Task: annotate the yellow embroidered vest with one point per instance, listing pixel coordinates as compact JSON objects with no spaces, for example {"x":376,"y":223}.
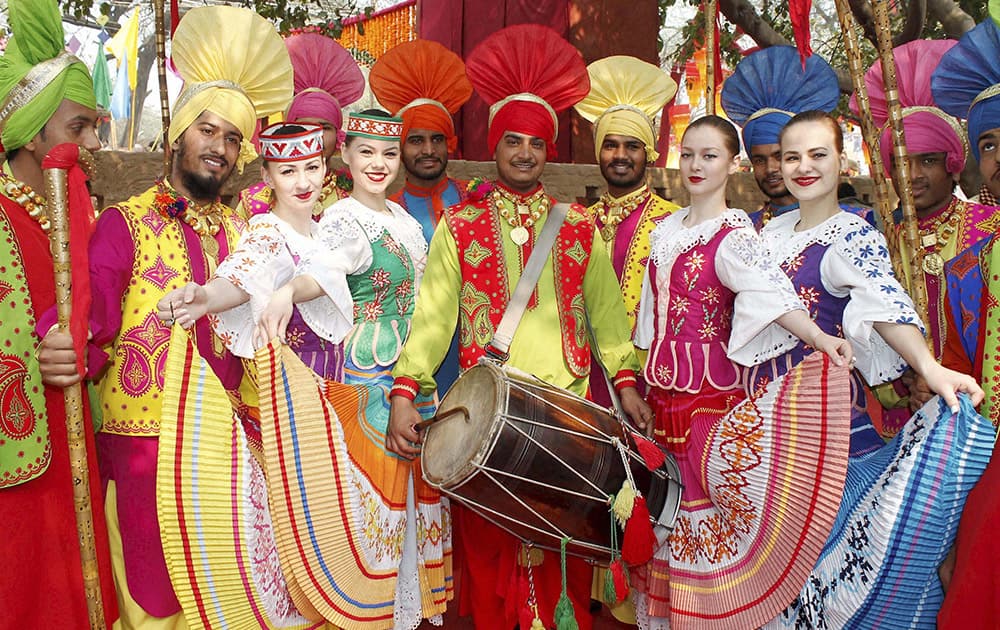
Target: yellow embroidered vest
{"x":131,"y":390}
{"x":636,"y":246}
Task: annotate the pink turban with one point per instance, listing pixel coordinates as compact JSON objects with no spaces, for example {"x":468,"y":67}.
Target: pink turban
{"x":926,"y":128}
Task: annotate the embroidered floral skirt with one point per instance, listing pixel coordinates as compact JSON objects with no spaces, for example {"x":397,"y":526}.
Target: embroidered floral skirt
{"x":762,"y":480}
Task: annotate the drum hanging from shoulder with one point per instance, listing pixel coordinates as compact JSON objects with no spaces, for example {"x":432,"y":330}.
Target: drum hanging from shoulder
{"x":539,"y":461}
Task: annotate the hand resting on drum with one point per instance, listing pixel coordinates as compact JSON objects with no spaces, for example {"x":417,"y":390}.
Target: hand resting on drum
{"x":401,"y":437}
{"x":637,"y":410}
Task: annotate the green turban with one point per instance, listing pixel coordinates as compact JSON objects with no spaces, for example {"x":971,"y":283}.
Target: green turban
{"x":36,"y":72}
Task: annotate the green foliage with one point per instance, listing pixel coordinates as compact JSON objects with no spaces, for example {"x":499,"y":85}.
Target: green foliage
{"x":286,"y":15}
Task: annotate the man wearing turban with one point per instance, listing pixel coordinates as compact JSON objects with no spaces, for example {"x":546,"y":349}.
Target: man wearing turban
{"x":625,"y":95}
{"x":946,"y":225}
{"x":528,"y":73}
{"x":47,"y":100}
{"x":424,"y":83}
{"x":175,"y":232}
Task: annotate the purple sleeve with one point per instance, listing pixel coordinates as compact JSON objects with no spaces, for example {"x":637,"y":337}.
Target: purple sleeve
{"x":112,"y":256}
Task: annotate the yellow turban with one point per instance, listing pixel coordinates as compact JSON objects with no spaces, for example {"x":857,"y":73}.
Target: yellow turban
{"x":625,"y":96}
{"x":239,"y":78}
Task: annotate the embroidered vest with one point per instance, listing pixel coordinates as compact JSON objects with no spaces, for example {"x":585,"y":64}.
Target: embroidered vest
{"x":486,"y":288}
{"x":693,"y":321}
{"x":132,"y":389}
{"x":25,"y":450}
{"x":383,"y":305}
{"x":632,"y":236}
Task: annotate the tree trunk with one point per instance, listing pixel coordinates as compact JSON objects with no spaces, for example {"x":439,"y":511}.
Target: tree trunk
{"x":955,"y":21}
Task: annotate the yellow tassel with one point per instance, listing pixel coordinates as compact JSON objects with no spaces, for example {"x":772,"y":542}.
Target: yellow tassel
{"x":622,"y":506}
{"x":536,"y":624}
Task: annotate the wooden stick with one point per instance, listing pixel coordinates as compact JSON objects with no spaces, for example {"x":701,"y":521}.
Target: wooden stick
{"x":57,"y":195}
{"x":883,"y":203}
{"x":901,"y":168}
{"x":161,"y":69}
{"x":711,"y":11}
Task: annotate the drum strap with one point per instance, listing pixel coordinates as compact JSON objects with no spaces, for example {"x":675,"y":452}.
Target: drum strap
{"x":500,"y":344}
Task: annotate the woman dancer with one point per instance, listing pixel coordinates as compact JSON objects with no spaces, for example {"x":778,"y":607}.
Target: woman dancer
{"x":278,"y":246}
{"x":327,"y":78}
{"x":386,"y":533}
{"x":902,"y":500}
{"x":709,"y":291}
{"x":398,"y":526}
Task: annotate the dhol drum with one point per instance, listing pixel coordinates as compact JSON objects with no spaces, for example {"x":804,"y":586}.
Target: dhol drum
{"x":539,"y":461}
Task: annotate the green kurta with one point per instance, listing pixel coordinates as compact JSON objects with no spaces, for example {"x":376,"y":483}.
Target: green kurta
{"x":536,"y":347}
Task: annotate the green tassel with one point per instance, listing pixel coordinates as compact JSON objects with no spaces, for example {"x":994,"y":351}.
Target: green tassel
{"x":564,"y":616}
{"x":610,"y":595}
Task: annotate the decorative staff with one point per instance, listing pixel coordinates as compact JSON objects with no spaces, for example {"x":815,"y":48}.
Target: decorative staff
{"x":711,"y":15}
{"x":161,"y":70}
{"x":64,"y":179}
{"x":901,"y":166}
{"x":883,"y":201}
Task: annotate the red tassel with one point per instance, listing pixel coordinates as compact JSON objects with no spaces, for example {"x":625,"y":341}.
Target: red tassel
{"x":640,"y":541}
{"x":621,"y":582}
{"x":649,"y":451}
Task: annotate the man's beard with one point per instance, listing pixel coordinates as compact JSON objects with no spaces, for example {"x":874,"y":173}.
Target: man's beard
{"x":201,"y":187}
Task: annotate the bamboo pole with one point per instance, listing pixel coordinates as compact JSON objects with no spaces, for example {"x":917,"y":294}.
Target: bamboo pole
{"x":901,"y":169}
{"x":711,"y":11}
{"x":56,"y":194}
{"x":161,"y":70}
{"x":883,"y":203}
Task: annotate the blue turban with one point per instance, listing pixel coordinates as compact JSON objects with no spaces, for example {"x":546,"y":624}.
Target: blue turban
{"x":966,"y":82}
{"x":774,"y":79}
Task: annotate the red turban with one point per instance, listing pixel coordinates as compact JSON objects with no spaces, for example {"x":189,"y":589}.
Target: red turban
{"x":537,"y":70}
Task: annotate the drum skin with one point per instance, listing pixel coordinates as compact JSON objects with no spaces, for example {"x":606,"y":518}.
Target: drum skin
{"x":518,"y":458}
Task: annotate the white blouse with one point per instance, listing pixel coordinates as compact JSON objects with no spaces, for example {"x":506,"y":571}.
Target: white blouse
{"x":270,"y":254}
{"x":763,"y":291}
{"x":856,"y":264}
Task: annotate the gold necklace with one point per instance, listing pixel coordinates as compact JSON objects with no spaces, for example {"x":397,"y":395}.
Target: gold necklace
{"x":615,"y":210}
{"x":936,"y":235}
{"x":531,"y":207}
{"x":23,"y":195}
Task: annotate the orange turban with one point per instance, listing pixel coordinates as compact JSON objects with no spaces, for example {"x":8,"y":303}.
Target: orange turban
{"x":424,"y":83}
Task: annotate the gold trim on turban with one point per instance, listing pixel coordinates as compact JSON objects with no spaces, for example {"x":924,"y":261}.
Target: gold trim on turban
{"x":764,"y":111}
{"x":529,"y":98}
{"x":940,"y":113}
{"x":417,"y":102}
{"x":40,"y":76}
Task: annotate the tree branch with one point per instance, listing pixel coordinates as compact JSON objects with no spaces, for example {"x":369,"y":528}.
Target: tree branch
{"x":954,"y":20}
{"x":916,"y":16}
{"x":865,"y":18}
{"x":744,"y":15}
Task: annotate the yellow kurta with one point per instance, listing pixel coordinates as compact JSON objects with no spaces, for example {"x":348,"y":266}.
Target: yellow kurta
{"x":536,"y":347}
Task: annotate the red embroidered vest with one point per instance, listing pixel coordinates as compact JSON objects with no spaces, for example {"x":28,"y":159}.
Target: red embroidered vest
{"x":478,"y":234}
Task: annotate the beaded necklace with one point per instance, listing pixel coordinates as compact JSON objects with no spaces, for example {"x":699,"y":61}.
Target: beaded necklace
{"x":24,"y":196}
{"x":511,"y":207}
{"x":614,"y":210}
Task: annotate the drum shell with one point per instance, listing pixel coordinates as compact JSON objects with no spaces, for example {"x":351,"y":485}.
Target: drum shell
{"x":524,"y":474}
